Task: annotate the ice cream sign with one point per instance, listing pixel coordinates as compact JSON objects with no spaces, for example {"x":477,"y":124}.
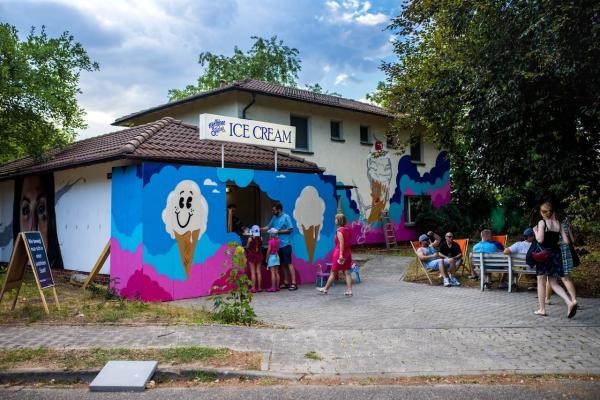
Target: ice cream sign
{"x":228,"y":129}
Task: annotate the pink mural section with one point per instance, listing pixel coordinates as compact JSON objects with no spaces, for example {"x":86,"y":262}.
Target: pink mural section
{"x":205,"y":279}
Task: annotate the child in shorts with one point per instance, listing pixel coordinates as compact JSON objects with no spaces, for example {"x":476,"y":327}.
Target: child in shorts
{"x":273,"y":259}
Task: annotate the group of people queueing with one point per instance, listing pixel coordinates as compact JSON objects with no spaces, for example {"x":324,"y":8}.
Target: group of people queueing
{"x":549,"y":235}
{"x":279,"y":254}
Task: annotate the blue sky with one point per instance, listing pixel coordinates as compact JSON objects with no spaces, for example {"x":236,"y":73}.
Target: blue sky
{"x":146,"y":47}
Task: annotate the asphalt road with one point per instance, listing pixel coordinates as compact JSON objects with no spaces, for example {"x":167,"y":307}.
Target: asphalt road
{"x":550,"y":390}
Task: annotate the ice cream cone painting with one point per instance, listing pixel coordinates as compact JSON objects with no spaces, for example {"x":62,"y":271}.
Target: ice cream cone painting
{"x":308,"y":212}
{"x":185,"y":216}
{"x":379,"y":172}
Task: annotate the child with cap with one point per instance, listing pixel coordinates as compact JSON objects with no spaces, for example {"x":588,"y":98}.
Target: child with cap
{"x":273,"y":259}
{"x":255,"y":258}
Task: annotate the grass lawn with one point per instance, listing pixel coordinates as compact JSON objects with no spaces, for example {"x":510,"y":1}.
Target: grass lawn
{"x":586,"y":277}
{"x":96,"y":305}
{"x":82,"y":359}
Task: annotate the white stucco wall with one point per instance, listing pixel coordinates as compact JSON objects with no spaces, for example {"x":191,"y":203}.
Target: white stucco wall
{"x":83,"y":198}
{"x":7,"y":189}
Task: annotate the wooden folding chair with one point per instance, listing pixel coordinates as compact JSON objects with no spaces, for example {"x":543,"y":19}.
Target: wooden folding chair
{"x":415,"y":245}
{"x":464,"y":248}
{"x":501,"y":239}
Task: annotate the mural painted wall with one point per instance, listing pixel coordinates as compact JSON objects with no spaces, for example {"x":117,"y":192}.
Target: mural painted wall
{"x":168,"y":236}
{"x":434,"y":183}
{"x":6,"y":219}
{"x":34,"y":210}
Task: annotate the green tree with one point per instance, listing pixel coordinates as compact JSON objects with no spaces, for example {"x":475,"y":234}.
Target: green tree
{"x":510,"y":88}
{"x":268,"y":60}
{"x":38,"y":87}
{"x":316,"y":88}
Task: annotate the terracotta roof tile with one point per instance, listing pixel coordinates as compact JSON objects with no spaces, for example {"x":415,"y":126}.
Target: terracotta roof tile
{"x":165,"y":140}
{"x":269,"y":89}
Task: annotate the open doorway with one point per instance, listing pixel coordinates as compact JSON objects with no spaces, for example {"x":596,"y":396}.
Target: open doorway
{"x":252,"y":206}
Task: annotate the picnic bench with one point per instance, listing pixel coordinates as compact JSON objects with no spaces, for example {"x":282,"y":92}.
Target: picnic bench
{"x":501,"y":263}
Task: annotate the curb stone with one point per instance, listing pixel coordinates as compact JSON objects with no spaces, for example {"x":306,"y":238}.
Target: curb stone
{"x":46,"y":375}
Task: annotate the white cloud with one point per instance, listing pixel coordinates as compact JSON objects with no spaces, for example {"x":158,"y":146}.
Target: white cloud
{"x":215,"y":191}
{"x":372,"y":19}
{"x":280,"y":176}
{"x":354,"y":11}
{"x":209,"y":182}
{"x":341,"y":79}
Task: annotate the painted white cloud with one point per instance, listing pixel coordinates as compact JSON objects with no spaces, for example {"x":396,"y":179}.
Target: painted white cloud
{"x":209,"y":182}
{"x":215,"y":191}
{"x":280,"y":176}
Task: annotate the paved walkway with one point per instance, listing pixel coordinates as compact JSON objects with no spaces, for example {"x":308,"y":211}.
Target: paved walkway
{"x":388,"y":327}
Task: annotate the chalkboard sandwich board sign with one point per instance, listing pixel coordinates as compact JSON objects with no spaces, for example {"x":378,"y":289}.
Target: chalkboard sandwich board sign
{"x":29,"y":249}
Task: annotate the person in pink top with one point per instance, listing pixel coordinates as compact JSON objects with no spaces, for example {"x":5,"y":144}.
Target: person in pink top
{"x":342,"y":257}
{"x":255,"y":258}
{"x":273,"y":259}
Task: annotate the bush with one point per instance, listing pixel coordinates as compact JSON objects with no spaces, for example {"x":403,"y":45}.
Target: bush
{"x":446,"y":218}
{"x":236,"y":307}
{"x":583,"y":211}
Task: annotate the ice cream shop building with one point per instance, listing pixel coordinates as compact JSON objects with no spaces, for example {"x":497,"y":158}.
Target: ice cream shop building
{"x":159,"y":190}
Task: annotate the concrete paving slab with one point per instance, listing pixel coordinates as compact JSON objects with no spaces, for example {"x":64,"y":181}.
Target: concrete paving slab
{"x":124,"y":376}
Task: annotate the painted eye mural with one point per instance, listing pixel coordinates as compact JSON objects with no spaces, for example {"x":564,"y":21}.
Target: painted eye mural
{"x":185,"y":216}
{"x":308,"y":213}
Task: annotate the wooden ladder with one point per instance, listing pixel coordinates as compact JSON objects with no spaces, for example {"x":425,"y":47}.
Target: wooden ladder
{"x":388,"y":230}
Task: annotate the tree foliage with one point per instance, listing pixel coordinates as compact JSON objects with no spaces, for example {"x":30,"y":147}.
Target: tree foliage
{"x":510,"y":88}
{"x":38,"y":87}
{"x":316,"y":88}
{"x":268,"y":60}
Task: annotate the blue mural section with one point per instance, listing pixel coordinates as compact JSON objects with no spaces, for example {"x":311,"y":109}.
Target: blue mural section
{"x":126,"y":206}
{"x":169,"y":220}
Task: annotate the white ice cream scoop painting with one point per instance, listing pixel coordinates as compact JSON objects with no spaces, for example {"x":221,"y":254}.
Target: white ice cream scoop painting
{"x":185,"y":217}
{"x":308,"y":213}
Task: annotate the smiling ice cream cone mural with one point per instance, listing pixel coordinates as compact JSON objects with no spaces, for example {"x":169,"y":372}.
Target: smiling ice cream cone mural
{"x":308,"y":212}
{"x":185,"y":216}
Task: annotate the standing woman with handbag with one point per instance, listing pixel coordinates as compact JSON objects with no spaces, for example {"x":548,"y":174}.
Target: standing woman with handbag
{"x":547,"y":233}
{"x":570,"y":260}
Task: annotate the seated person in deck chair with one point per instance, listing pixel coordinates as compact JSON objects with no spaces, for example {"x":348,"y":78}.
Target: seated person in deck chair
{"x":487,"y":245}
{"x":433,"y":262}
{"x":450,"y":250}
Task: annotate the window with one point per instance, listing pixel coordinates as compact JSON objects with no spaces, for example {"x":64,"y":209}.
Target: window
{"x":336,"y":130}
{"x":413,"y":206}
{"x":391,"y":142}
{"x":364,"y":135}
{"x":301,"y":125}
{"x":416,"y":149}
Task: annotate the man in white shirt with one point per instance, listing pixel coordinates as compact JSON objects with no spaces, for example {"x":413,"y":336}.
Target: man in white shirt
{"x":522,"y":246}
